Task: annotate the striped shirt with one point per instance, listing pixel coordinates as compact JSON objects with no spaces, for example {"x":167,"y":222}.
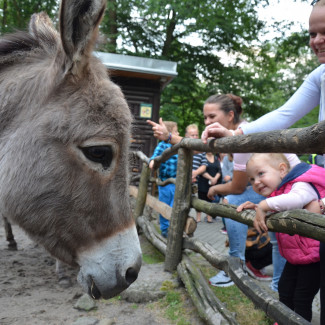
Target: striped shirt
{"x":199,"y":160}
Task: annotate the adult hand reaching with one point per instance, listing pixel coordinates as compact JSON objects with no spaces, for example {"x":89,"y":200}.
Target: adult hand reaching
{"x":212,"y":192}
{"x":159,"y":130}
{"x":216,"y":130}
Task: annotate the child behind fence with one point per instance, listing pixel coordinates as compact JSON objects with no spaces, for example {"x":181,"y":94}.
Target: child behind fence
{"x":271,"y":177}
{"x":167,"y":170}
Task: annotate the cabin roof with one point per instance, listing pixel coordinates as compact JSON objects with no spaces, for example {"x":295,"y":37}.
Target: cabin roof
{"x":139,"y":67}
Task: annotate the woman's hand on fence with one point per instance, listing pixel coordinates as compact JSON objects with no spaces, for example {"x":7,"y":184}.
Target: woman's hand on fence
{"x":159,"y":130}
{"x":215,"y":130}
{"x":212,"y":192}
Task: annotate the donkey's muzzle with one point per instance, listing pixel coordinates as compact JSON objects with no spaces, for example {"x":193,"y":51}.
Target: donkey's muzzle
{"x":122,"y":283}
{"x":110,"y":268}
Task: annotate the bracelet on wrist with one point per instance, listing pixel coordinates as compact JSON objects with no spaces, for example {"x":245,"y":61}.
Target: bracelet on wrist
{"x":169,"y":137}
{"x":232,"y":132}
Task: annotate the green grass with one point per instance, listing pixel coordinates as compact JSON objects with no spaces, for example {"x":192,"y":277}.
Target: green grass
{"x":245,"y":310}
{"x":238,"y":303}
{"x":152,"y":258}
{"x":150,"y":254}
{"x":173,"y":306}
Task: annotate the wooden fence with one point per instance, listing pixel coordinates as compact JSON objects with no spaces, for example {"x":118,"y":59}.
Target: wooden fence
{"x":300,"y":141}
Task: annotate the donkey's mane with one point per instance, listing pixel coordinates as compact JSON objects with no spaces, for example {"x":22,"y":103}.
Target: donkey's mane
{"x":20,"y":41}
{"x":16,"y":45}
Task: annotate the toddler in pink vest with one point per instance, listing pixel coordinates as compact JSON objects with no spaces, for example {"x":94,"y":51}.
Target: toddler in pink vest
{"x":286,"y":189}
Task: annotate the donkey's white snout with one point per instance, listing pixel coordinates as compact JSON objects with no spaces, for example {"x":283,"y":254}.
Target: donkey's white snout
{"x":107,"y":270}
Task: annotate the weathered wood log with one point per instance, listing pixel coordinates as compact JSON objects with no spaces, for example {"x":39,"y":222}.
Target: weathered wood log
{"x":165,"y":210}
{"x":209,"y":307}
{"x":190,"y":226}
{"x":181,"y":208}
{"x":299,"y":141}
{"x":152,"y":235}
{"x":141,"y":156}
{"x":291,"y":222}
{"x":167,"y":181}
{"x":159,"y":182}
{"x":271,"y":306}
{"x":135,"y":178}
{"x":142,"y":191}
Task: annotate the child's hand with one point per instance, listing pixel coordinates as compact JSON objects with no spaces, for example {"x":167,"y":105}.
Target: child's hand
{"x":313,"y":206}
{"x":259,"y":220}
{"x":246,"y":205}
{"x":159,"y":130}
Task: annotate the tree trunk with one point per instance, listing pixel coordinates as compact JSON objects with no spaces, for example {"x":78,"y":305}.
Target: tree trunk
{"x":169,"y":35}
{"x":112,"y":16}
{"x":4,"y":17}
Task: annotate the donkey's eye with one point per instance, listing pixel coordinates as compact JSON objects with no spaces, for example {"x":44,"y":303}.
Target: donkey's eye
{"x":99,"y":154}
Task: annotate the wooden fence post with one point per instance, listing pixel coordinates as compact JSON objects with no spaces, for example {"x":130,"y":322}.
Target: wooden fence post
{"x":181,"y":207}
{"x":142,"y":193}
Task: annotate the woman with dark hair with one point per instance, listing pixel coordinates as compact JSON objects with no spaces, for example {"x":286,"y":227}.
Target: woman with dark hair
{"x":227,"y":109}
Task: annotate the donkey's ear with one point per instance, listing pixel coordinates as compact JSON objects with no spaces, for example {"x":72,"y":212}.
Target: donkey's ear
{"x":41,"y":27}
{"x":79,"y":21}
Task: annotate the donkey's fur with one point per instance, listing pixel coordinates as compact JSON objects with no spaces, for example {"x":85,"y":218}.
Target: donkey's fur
{"x":64,"y":138}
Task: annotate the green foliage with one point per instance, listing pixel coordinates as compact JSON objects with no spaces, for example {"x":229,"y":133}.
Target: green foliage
{"x":217,"y":48}
{"x":217,"y":45}
{"x":15,"y":14}
{"x":165,"y":30}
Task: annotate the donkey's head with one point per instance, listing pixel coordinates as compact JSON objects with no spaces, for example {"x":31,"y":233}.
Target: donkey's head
{"x":64,"y":138}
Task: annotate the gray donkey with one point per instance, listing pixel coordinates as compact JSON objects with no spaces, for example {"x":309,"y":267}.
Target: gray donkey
{"x":64,"y":138}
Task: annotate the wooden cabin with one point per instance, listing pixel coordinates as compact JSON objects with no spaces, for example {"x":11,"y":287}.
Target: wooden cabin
{"x":142,"y":81}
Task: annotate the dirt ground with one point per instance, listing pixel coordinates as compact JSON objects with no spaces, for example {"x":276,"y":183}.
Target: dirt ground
{"x":30,"y":293}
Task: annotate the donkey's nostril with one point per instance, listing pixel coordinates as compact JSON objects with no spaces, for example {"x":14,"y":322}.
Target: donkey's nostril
{"x":131,"y":275}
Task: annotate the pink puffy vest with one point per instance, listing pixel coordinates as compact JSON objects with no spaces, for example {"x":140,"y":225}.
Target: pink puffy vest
{"x":297,"y":249}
